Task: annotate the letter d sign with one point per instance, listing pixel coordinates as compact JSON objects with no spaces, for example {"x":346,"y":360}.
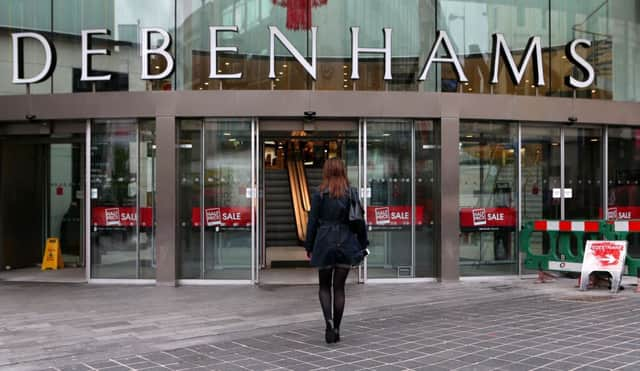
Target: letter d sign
{"x":18,"y":58}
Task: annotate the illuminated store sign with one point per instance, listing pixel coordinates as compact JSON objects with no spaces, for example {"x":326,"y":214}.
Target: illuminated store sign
{"x":500,"y":52}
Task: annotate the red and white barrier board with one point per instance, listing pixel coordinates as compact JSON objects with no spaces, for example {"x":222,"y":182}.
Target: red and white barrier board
{"x":627,"y":226}
{"x":115,"y":216}
{"x":393,"y":215}
{"x":604,"y":256}
{"x":222,"y":216}
{"x":566,"y":226}
{"x":487,"y":217}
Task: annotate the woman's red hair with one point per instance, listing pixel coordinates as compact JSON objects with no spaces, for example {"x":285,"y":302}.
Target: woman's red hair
{"x":334,"y":178}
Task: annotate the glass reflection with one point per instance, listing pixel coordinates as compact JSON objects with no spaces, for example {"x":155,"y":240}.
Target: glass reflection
{"x":389,"y":178}
{"x":624,"y":180}
{"x":583,"y":172}
{"x":488,"y":174}
{"x":214,"y":210}
{"x":122,"y":199}
{"x":124,"y":19}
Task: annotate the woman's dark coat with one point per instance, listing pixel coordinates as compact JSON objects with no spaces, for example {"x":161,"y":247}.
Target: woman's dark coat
{"x":329,"y":238}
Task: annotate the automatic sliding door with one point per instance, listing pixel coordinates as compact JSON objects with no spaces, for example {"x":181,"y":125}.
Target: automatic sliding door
{"x":227,"y":199}
{"x":215,"y":199}
{"x":583,"y":173}
{"x":389,"y":184}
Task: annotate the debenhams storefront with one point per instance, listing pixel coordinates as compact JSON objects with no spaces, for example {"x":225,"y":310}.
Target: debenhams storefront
{"x":177,"y":141}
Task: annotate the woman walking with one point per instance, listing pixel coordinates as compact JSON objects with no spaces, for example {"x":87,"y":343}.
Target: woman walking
{"x":331,"y":244}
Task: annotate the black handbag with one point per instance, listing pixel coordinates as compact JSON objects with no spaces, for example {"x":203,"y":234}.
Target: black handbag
{"x":356,"y":212}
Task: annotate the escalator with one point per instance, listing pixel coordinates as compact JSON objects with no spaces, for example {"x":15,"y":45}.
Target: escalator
{"x":290,"y":178}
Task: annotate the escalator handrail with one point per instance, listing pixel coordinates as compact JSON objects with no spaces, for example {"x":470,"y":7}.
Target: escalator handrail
{"x":295,"y":197}
{"x":304,"y":186}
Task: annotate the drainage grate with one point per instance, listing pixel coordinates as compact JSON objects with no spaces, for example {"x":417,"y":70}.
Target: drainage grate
{"x":589,"y":298}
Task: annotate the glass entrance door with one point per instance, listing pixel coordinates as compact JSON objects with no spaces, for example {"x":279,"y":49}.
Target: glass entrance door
{"x":561,"y":175}
{"x":216,"y":199}
{"x":561,"y":170}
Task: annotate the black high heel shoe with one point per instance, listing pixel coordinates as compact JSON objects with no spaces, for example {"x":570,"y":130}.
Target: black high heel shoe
{"x":337,"y":332}
{"x":330,"y":334}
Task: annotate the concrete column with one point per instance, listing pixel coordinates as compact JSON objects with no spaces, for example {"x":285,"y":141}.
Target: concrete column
{"x":165,"y":207}
{"x":447,"y":205}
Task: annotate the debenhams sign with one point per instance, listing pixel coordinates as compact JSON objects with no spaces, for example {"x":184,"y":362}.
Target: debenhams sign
{"x":500,"y":50}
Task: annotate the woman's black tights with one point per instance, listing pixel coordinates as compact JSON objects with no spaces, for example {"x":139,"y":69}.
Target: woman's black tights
{"x":339,"y":277}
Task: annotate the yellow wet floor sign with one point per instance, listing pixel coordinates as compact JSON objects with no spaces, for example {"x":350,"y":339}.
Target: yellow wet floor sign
{"x":52,"y":258}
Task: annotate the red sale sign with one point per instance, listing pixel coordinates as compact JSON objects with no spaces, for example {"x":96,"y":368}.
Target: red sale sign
{"x":393,"y":215}
{"x":623,"y":212}
{"x":488,"y":217}
{"x":222,"y":216}
{"x":115,"y":216}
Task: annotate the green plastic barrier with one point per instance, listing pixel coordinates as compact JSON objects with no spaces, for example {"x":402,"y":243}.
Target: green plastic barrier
{"x":560,"y":256}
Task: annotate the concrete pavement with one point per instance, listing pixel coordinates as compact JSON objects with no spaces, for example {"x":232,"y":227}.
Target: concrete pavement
{"x":507,"y":324}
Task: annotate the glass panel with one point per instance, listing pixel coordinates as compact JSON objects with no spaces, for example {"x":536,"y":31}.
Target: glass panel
{"x":624,"y":177}
{"x":583,"y":173}
{"x":540,"y":160}
{"x":427,"y":153}
{"x":488,"y":178}
{"x":588,"y":19}
{"x":147,"y":200}
{"x":227,"y":176}
{"x":540,"y":169}
{"x":389,"y":167}
{"x":65,"y":200}
{"x":189,"y":194}
{"x":252,"y":40}
{"x":413,"y":24}
{"x":23,"y":16}
{"x":613,"y":28}
{"x":470,"y":24}
{"x":114,"y":173}
{"x":124,"y":19}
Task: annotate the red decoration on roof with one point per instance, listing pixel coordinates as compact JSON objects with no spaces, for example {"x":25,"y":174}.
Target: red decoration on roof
{"x":299,"y":12}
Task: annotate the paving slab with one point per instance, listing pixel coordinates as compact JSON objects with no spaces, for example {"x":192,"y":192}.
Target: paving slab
{"x":509,"y":324}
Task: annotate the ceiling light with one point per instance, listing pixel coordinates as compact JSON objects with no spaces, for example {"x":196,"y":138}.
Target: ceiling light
{"x":157,"y":67}
{"x":206,"y":82}
{"x":280,"y":73}
{"x":219,"y":71}
{"x":594,"y":91}
{"x":346,"y":86}
{"x":386,"y":135}
{"x":278,"y":80}
{"x":284,"y":66}
{"x":226,"y":63}
{"x":227,"y":134}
